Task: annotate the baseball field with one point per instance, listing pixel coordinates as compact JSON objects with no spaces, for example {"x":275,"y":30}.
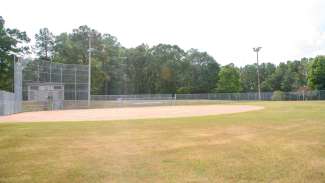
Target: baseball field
{"x":279,"y":142}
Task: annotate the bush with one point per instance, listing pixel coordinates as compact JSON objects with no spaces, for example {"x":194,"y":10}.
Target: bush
{"x":278,"y":95}
{"x":183,"y":90}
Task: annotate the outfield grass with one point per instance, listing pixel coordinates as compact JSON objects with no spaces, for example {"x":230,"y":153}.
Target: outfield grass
{"x":283,"y":143}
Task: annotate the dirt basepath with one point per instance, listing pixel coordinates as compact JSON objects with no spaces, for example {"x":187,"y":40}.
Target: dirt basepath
{"x":127,"y":113}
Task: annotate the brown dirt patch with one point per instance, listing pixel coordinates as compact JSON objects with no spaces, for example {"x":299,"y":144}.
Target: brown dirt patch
{"x":127,"y":113}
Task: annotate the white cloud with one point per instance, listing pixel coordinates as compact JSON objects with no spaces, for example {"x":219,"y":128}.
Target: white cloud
{"x":227,"y":29}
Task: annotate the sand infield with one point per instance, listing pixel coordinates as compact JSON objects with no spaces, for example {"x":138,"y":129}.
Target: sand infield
{"x":127,"y":113}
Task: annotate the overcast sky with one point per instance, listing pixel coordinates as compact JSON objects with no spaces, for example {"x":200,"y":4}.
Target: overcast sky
{"x":226,"y":29}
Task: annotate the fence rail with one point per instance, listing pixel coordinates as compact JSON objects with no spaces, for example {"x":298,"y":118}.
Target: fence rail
{"x":249,"y":96}
{"x":253,"y":96}
{"x":8,"y":101}
{"x":134,"y":97}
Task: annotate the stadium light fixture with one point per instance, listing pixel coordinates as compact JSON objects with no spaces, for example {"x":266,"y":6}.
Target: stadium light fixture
{"x":257,"y":49}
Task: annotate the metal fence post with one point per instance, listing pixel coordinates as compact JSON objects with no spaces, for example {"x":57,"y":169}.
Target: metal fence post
{"x":38,"y":72}
{"x":61,"y":72}
{"x":18,"y":93}
{"x":50,"y":71}
{"x":75,"y":84}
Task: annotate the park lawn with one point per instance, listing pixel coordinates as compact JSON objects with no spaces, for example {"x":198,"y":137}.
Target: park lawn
{"x":285,"y":142}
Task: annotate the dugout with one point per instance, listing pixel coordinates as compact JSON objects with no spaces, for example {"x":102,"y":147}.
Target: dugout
{"x":50,"y":94}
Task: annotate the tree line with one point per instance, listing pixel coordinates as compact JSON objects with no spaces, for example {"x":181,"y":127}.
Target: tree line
{"x":162,"y":68}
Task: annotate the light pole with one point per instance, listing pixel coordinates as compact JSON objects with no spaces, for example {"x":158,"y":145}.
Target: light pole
{"x":257,"y":49}
{"x":89,"y":69}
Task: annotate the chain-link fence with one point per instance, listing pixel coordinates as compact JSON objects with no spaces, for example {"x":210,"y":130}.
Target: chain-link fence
{"x":10,"y":102}
{"x":42,"y":85}
{"x":48,"y":86}
{"x":102,"y":101}
{"x":134,"y":97}
{"x":99,"y":101}
{"x":7,"y":103}
{"x":254,"y":96}
{"x":18,"y":79}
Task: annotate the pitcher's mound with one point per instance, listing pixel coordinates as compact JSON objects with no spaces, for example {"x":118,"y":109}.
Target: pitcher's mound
{"x":127,"y":113}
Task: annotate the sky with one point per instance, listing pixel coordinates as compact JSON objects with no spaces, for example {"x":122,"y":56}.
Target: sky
{"x":226,"y":29}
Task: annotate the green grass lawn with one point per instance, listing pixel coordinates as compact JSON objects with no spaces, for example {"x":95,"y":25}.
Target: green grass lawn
{"x":283,"y":143}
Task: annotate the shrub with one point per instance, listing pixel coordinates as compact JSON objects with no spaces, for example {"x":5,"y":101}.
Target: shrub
{"x":278,"y":95}
{"x":183,"y":90}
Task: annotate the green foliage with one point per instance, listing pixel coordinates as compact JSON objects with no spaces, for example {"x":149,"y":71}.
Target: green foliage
{"x":266,"y":70}
{"x":73,"y":48}
{"x":316,"y":75}
{"x":248,"y":75}
{"x":183,"y":90}
{"x":229,"y":79}
{"x":202,"y":71}
{"x":140,"y":71}
{"x":288,"y":76}
{"x":44,"y":44}
{"x":159,"y":69}
{"x":162,"y":68}
{"x":107,"y":65}
{"x":167,"y":60}
{"x":278,"y":96}
{"x":12,"y":42}
{"x":7,"y":73}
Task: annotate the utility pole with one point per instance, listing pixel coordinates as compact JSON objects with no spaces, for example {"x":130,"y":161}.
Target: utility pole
{"x":89,"y":69}
{"x":257,"y":49}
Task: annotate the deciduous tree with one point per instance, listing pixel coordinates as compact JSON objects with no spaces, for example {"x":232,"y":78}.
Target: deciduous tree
{"x":12,"y":43}
{"x":229,"y":79}
{"x":316,"y":75}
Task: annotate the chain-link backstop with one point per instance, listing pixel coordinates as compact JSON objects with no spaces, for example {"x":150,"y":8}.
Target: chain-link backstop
{"x":47,"y":85}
